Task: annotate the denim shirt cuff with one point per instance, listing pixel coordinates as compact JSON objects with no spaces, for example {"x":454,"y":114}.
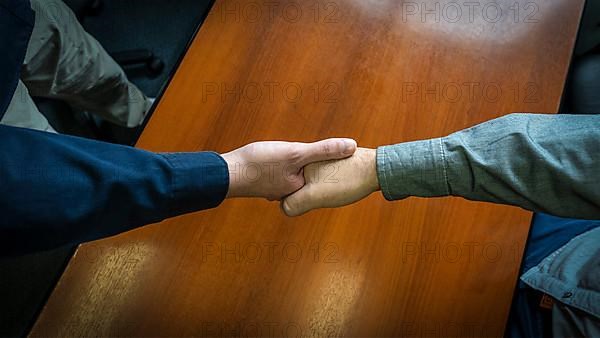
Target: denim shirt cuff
{"x":413,"y":169}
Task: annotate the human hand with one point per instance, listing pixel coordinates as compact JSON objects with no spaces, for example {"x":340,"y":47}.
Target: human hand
{"x":274,"y":170}
{"x":335,"y":183}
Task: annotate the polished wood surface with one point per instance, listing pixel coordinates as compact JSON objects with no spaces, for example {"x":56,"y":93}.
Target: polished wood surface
{"x":381,"y":72}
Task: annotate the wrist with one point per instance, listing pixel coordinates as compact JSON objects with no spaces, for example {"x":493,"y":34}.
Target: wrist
{"x":372,"y":179}
{"x":236,"y":186}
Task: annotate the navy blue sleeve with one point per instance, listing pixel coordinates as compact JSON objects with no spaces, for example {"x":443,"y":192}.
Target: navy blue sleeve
{"x":58,"y":189}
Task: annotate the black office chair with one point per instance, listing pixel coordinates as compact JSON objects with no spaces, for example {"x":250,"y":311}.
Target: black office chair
{"x":583,"y":85}
{"x":588,"y":40}
{"x":142,"y":61}
{"x":130,"y":58}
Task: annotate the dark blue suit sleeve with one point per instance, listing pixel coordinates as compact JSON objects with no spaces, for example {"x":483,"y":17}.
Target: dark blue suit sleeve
{"x":58,"y":189}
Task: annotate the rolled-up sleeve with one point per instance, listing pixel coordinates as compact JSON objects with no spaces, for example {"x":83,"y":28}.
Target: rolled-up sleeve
{"x":59,"y":189}
{"x":540,"y":162}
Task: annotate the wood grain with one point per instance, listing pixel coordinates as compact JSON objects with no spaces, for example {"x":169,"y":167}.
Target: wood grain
{"x":381,"y":72}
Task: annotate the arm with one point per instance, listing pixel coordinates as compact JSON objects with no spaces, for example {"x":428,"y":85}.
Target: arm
{"x":548,"y":163}
{"x":58,"y":189}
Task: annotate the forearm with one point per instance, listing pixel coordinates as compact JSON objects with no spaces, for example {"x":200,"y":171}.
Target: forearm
{"x":58,"y":189}
{"x":548,"y":163}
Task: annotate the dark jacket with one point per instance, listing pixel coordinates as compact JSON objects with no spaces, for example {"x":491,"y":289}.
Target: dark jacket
{"x":57,"y":189}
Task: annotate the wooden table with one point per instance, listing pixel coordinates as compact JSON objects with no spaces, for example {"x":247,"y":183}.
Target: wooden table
{"x":379,"y":71}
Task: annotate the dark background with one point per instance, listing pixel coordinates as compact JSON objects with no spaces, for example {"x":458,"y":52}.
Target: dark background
{"x":165,"y":27}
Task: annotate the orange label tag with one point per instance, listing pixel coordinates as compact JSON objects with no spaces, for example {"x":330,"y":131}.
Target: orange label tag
{"x":546,"y":302}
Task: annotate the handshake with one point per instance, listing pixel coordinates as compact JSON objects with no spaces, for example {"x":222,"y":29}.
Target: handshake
{"x":303,"y":176}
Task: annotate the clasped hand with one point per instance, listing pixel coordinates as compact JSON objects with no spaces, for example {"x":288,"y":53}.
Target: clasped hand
{"x":303,"y":176}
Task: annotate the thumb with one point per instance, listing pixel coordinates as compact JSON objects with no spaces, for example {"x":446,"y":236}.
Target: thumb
{"x":330,"y":149}
{"x":297,"y":203}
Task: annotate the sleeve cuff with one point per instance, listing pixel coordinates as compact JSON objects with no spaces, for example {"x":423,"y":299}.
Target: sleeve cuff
{"x":413,"y":169}
{"x":200,"y":181}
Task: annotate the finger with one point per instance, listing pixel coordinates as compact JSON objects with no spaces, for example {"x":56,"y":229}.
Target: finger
{"x":297,"y":203}
{"x":330,"y":149}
